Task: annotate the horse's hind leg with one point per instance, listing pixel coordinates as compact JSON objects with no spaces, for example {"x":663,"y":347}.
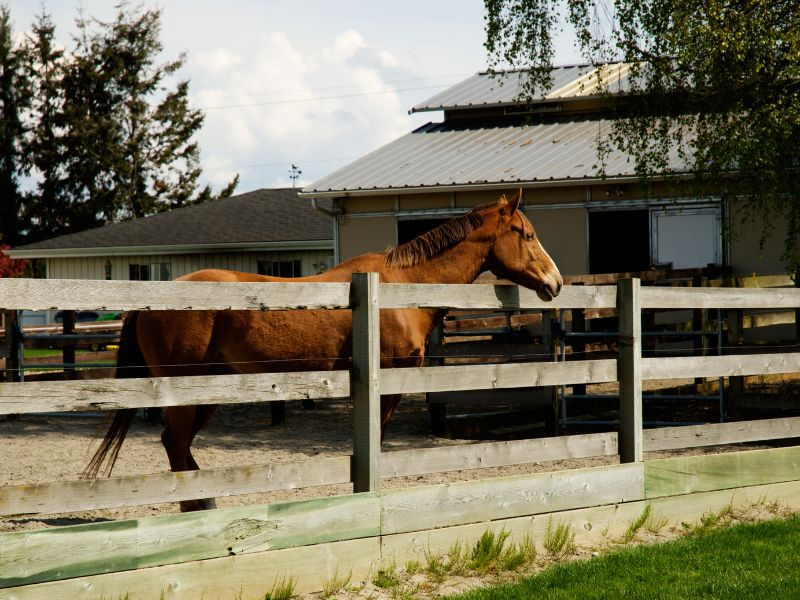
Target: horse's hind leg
{"x":181,"y":424}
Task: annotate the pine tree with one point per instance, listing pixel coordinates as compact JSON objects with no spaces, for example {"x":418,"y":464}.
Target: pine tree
{"x":47,"y":206}
{"x":14,"y":99}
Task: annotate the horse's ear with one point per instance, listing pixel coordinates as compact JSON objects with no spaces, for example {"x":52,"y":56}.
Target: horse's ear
{"x":513,"y":205}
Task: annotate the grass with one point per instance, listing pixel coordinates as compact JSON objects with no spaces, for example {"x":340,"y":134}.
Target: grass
{"x":749,"y":560}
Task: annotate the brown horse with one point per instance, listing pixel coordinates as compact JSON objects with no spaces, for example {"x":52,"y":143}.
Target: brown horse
{"x":497,"y":237}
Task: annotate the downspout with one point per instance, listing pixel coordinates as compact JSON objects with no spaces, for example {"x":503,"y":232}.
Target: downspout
{"x":333,"y":215}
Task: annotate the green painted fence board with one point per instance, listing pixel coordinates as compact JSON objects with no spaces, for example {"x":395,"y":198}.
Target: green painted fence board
{"x":690,"y":474}
{"x":460,"y":503}
{"x":50,"y":554}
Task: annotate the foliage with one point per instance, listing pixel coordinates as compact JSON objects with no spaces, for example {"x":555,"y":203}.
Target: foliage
{"x":15,"y":97}
{"x":559,"y":541}
{"x":10,"y":267}
{"x":103,"y":130}
{"x":743,"y":561}
{"x":716,"y":82}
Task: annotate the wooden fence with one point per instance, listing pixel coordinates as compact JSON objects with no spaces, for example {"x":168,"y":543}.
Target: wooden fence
{"x":241,"y":551}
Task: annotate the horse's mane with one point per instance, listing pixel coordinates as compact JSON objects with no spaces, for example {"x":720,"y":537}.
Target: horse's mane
{"x":430,"y":244}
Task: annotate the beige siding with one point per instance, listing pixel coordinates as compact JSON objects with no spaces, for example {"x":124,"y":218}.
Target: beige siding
{"x":180,"y":264}
{"x":369,"y":234}
{"x":563,"y":234}
{"x":423,"y":201}
{"x":746,"y":257}
{"x":369,"y":204}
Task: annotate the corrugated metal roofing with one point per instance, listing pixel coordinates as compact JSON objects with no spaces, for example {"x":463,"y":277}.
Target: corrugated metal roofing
{"x":485,"y":90}
{"x":442,"y":155}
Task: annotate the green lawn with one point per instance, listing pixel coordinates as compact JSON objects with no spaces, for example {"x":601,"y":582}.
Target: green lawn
{"x":744,"y":561}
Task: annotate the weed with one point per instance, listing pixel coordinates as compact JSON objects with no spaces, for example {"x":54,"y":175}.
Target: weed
{"x":282,"y":589}
{"x":559,"y":541}
{"x":387,"y":577}
{"x":335,"y":583}
{"x":518,"y":555}
{"x":637,"y":524}
{"x":488,"y":550}
{"x":413,"y":567}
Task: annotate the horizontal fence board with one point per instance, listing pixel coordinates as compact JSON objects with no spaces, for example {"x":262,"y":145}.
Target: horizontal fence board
{"x":80,"y":294}
{"x":230,"y":578}
{"x":720,"y":366}
{"x":138,"y":490}
{"x":690,"y":474}
{"x":249,"y":575}
{"x":592,"y":526}
{"x":76,"y":551}
{"x":666,"y":297}
{"x":463,"y":502}
{"x":109,"y":394}
{"x":484,"y":296}
{"x":483,"y":377}
{"x":712,"y":434}
{"x":496,"y":454}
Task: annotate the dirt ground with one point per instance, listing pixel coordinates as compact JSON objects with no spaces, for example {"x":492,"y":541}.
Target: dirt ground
{"x":38,"y":449}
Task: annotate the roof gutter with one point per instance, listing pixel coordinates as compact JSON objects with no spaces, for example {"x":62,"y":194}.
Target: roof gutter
{"x":176,"y":249}
{"x":468,"y":187}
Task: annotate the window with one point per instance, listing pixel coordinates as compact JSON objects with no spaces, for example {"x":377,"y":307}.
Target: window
{"x":280,"y":268}
{"x":672,"y":237}
{"x":150,"y":272}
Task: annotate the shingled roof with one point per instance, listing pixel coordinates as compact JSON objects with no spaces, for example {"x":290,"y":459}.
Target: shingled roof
{"x":262,"y":218}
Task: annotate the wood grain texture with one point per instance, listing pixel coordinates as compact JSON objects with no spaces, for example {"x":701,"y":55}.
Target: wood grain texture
{"x":138,"y":490}
{"x":50,"y":554}
{"x":720,"y":366}
{"x":591,"y":526}
{"x":480,"y":296}
{"x":691,"y":474}
{"x":80,"y":294}
{"x":666,"y":297}
{"x":235,"y":577}
{"x":630,"y":370}
{"x":111,"y":394}
{"x":495,"y":454}
{"x":712,"y":434}
{"x":365,"y":383}
{"x":484,"y":377}
{"x":429,"y":507}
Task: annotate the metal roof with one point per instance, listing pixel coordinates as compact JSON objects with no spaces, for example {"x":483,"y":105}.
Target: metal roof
{"x":487,"y":90}
{"x":265,"y":216}
{"x":448,"y":156}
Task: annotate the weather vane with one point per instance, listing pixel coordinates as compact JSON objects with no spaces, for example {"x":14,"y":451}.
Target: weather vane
{"x":294,"y":174}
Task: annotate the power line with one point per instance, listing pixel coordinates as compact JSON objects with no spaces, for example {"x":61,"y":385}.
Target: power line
{"x":279,"y":164}
{"x":319,"y":98}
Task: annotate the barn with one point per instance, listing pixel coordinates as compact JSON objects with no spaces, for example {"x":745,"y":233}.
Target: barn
{"x":268,"y":231}
{"x":489,"y":143}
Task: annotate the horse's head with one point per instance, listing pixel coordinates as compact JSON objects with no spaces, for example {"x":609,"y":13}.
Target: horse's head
{"x":517,"y":254}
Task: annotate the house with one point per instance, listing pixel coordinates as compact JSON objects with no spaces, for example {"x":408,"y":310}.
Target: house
{"x":268,"y":231}
{"x":489,"y":143}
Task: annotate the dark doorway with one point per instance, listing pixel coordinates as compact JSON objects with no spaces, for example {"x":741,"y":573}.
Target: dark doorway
{"x":619,"y":241}
{"x":408,"y":230}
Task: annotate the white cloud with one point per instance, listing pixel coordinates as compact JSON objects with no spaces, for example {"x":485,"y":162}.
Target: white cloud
{"x":268,"y":103}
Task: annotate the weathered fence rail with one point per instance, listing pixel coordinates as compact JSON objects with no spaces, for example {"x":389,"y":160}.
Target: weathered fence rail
{"x":31,"y":563}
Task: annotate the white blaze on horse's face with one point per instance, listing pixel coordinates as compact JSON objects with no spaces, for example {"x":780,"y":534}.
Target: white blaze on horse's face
{"x":519,"y":256}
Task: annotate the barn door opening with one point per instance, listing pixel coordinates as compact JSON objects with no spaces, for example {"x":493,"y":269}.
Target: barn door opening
{"x":408,"y":229}
{"x":619,"y":241}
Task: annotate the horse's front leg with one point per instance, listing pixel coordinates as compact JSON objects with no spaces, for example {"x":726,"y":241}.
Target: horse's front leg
{"x":181,"y":424}
{"x":388,"y":405}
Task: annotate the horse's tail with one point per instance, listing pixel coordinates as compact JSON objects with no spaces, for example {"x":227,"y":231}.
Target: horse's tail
{"x":130,"y":363}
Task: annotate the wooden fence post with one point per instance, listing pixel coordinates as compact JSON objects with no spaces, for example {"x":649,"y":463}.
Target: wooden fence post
{"x":629,"y":370}
{"x":365,"y":384}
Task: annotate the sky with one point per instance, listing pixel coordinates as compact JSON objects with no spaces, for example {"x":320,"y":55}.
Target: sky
{"x":311,"y":83}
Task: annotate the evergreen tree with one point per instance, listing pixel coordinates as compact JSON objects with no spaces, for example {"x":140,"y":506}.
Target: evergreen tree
{"x":719,"y":80}
{"x":47,"y":206}
{"x":14,"y":100}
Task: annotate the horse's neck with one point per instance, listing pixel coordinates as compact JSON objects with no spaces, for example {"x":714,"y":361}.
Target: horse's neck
{"x":461,"y":263}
